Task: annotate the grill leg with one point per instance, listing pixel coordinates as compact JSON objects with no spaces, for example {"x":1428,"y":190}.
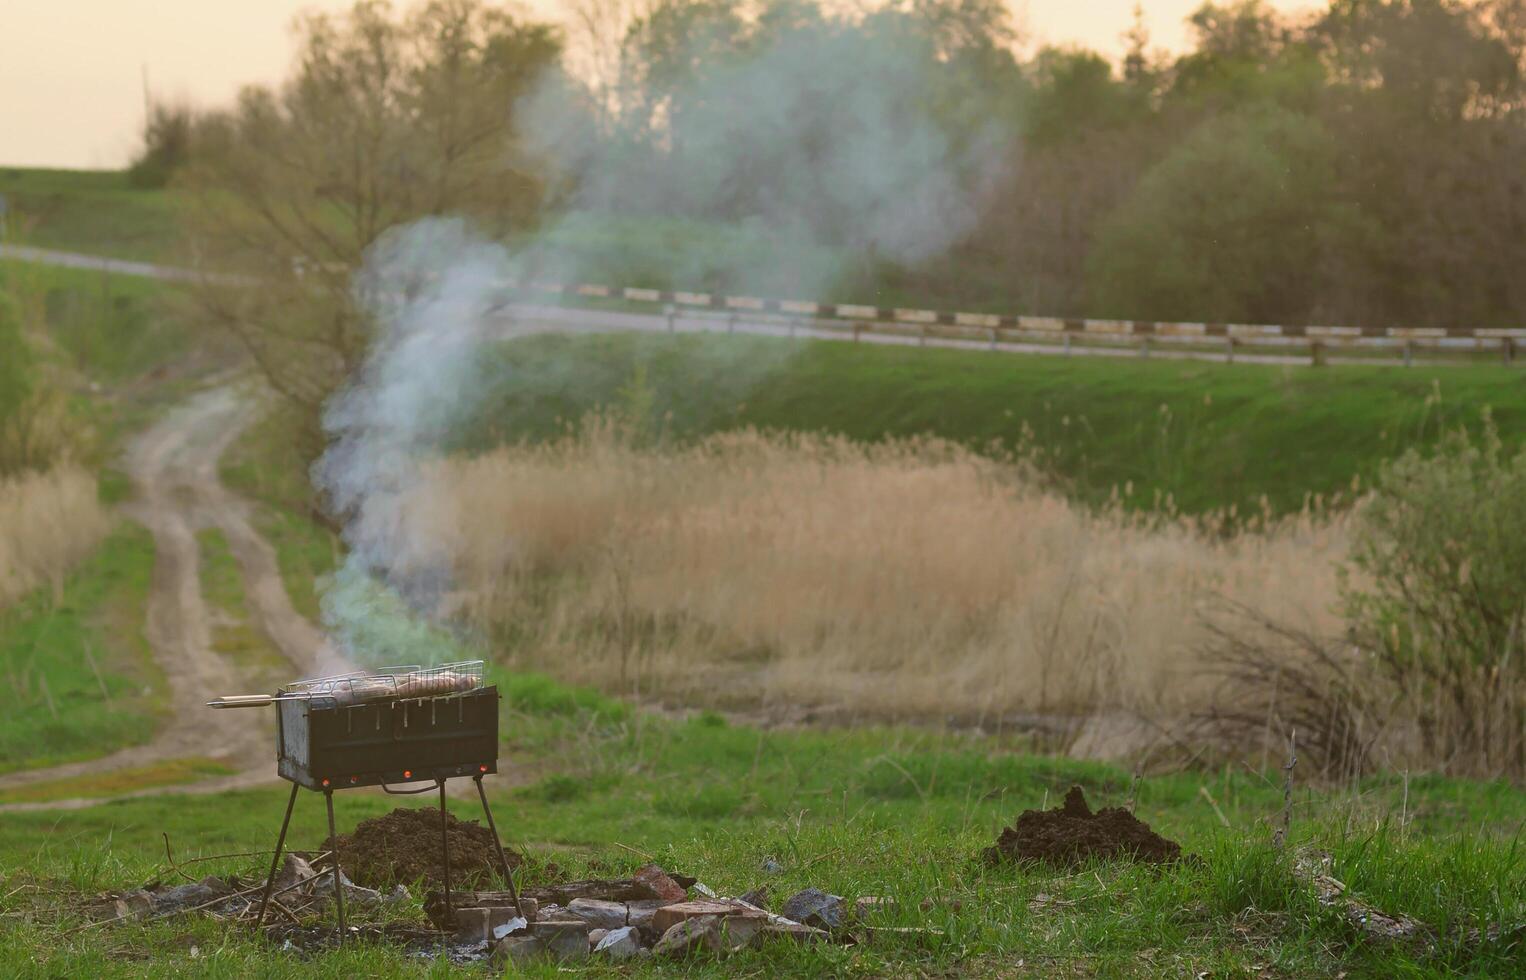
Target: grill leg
{"x":275,"y":861}
{"x":328,"y":797}
{"x":503,"y":859}
{"x":450,"y":911}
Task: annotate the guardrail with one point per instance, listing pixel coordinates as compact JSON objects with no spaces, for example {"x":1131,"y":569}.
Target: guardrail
{"x":1225,"y":342}
{"x":1222,"y":342}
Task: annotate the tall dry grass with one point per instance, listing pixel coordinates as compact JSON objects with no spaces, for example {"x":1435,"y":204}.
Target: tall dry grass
{"x":49,"y":522}
{"x":909,"y":579}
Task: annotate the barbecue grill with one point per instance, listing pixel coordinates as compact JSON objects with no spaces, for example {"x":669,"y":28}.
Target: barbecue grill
{"x":386,"y":728}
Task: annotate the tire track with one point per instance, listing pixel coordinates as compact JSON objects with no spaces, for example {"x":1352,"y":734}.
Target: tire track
{"x":173,"y":467}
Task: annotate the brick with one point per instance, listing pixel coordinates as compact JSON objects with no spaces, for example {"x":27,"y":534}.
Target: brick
{"x":668,"y":916}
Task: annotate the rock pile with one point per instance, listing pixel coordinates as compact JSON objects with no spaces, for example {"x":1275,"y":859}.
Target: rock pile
{"x":649,"y":914}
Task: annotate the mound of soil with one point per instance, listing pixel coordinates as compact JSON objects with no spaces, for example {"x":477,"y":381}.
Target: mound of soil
{"x":1073,"y":833}
{"x":404,"y":846}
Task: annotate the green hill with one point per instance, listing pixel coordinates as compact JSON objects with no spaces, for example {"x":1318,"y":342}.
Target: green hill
{"x":1208,"y":436}
{"x":93,"y":211}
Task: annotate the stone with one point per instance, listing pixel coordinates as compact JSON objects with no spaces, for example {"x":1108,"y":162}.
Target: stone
{"x":517,"y":949}
{"x":620,"y":944}
{"x":353,"y":893}
{"x":771,"y":867}
{"x":741,"y":931}
{"x":814,"y":907}
{"x":294,"y":871}
{"x":641,"y":913}
{"x":483,"y":925}
{"x":757,"y":898}
{"x":689,"y":935}
{"x":717,"y":933}
{"x":135,"y":904}
{"x":657,"y":881}
{"x":192,"y":895}
{"x":599,"y":914}
{"x":704,"y":891}
{"x":565,"y":939}
{"x":668,"y":916}
{"x":596,"y":936}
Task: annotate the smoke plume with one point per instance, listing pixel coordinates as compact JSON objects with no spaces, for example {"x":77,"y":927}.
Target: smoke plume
{"x":816,"y":150}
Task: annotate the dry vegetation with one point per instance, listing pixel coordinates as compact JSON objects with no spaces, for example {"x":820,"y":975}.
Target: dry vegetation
{"x":48,"y":522}
{"x":911,"y":578}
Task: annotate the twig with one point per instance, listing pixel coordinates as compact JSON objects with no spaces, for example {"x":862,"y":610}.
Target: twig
{"x":635,"y":851}
{"x":1133,"y":788}
{"x":205,"y":905}
{"x":42,"y":682}
{"x":219,"y":857}
{"x":1281,"y":836}
{"x":821,"y":857}
{"x":1404,"y":807}
{"x":1203,"y":792}
{"x":171,"y":858}
{"x":95,"y":669}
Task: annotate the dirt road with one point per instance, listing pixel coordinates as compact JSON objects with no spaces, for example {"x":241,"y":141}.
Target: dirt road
{"x":173,"y":466}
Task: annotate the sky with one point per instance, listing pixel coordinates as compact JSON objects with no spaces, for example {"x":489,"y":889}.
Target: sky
{"x":72,"y":71}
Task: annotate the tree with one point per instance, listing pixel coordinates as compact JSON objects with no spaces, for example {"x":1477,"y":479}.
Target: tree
{"x":1235,"y":225}
{"x":386,"y":120}
{"x":167,"y":137}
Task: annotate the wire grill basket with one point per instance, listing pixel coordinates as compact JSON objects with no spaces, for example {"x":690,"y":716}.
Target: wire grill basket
{"x":411,"y":681}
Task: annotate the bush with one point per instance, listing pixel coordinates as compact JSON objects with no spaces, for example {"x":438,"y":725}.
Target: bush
{"x":1439,"y":598}
{"x":167,"y":139}
{"x":15,"y":363}
{"x":36,"y":428}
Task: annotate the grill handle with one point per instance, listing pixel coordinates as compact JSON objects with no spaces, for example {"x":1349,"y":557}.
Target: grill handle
{"x":242,"y":701}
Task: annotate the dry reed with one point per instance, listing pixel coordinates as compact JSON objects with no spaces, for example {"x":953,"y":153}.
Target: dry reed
{"x":902,"y":580}
{"x":48,"y":523}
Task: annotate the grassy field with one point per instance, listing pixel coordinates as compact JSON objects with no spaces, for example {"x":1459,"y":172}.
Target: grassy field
{"x":899,"y":814}
{"x":597,"y":787}
{"x":93,"y":211}
{"x":1207,"y":437}
{"x":81,"y":676}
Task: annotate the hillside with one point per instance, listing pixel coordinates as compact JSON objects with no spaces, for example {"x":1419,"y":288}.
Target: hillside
{"x":1208,"y":437}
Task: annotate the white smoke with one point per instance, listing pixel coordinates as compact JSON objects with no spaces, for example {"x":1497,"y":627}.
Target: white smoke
{"x":429,"y":287}
{"x":821,"y":145}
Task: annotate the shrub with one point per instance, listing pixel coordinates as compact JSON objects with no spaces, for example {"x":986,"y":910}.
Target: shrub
{"x":37,"y":430}
{"x":15,"y":363}
{"x":1439,"y":598}
{"x":167,"y":140}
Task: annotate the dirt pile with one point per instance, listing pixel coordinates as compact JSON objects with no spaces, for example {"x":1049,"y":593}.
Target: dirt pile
{"x":1072,"y":834}
{"x":404,"y":846}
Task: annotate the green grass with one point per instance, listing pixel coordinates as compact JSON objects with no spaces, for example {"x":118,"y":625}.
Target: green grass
{"x":234,"y":632}
{"x":80,"y":678}
{"x":264,"y":467}
{"x":1207,"y":437}
{"x":93,"y":211}
{"x":894,"y":813}
{"x":111,"y":328}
